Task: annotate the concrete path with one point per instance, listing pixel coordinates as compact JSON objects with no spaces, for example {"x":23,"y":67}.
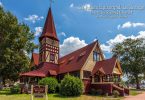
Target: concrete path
{"x":137,"y":97}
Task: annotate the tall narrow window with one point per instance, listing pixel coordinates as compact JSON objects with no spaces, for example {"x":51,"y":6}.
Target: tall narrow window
{"x":95,"y":56}
{"x":52,"y":57}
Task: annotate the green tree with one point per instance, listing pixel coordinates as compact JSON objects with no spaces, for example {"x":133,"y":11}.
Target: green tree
{"x":15,"y":45}
{"x":131,"y":53}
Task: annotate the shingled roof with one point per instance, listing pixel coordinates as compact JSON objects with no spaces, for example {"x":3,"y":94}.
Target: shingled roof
{"x":49,"y":27}
{"x":45,"y":69}
{"x":75,"y":60}
{"x":71,"y":62}
{"x":105,"y":66}
{"x":35,"y":58}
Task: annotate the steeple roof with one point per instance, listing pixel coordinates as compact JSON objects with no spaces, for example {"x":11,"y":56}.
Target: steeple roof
{"x":49,"y":27}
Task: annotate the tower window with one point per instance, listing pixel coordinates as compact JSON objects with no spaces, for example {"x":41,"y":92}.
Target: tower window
{"x":95,"y":56}
{"x":52,"y":57}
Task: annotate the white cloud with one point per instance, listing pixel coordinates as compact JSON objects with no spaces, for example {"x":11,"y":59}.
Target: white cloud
{"x":118,"y":39}
{"x":118,"y":27}
{"x":86,"y":7}
{"x":130,"y":24}
{"x":71,"y":44}
{"x":33,"y":18}
{"x":63,"y":34}
{"x":38,"y":31}
{"x":1,"y":5}
{"x":71,"y":5}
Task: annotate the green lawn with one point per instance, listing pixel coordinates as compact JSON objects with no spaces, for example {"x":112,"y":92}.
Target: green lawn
{"x":135,"y":92}
{"x":5,"y":95}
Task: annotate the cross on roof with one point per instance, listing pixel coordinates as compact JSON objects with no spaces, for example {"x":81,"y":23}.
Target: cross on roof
{"x":51,"y":1}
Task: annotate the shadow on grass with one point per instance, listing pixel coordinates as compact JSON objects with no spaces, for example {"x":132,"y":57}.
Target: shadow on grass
{"x":6,"y":92}
{"x":60,"y":96}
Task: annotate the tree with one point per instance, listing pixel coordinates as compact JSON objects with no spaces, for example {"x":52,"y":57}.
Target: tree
{"x":15,"y":45}
{"x":131,"y":53}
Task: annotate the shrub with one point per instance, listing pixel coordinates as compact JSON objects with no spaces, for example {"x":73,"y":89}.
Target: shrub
{"x":58,"y":88}
{"x":71,"y":86}
{"x":51,"y":82}
{"x":15,"y":89}
{"x":116,"y":93}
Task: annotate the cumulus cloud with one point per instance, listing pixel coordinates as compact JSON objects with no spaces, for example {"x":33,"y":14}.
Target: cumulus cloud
{"x":71,"y":44}
{"x":38,"y":31}
{"x":33,"y":18}
{"x":71,"y":5}
{"x":107,"y":47}
{"x":131,"y":24}
{"x":1,"y":4}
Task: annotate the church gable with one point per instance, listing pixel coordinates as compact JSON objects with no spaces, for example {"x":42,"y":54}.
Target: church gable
{"x":95,"y":55}
{"x":117,"y":68}
{"x":34,"y":60}
{"x":75,"y":60}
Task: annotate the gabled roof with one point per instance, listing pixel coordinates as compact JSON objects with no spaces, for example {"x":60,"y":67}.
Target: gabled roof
{"x":105,"y":66}
{"x":75,"y":60}
{"x":35,"y":58}
{"x":49,"y":27}
{"x":44,"y":70}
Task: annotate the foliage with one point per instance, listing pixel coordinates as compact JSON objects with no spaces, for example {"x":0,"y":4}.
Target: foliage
{"x":58,"y":88}
{"x":71,"y":86}
{"x":15,"y":89}
{"x":116,"y":93}
{"x":131,"y":53}
{"x":51,"y":82}
{"x":15,"y":45}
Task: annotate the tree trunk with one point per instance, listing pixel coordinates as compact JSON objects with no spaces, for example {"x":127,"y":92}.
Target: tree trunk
{"x":3,"y":79}
{"x":137,"y":83}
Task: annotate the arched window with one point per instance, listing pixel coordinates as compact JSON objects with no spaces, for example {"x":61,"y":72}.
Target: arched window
{"x":95,"y":56}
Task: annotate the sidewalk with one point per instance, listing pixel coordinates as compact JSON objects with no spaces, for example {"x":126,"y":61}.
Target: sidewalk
{"x":137,"y":97}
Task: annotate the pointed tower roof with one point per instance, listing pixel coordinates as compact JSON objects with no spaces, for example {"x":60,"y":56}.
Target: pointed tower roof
{"x":49,"y":27}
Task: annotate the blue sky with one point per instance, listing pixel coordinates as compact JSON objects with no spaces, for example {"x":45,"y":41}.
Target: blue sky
{"x":78,"y":27}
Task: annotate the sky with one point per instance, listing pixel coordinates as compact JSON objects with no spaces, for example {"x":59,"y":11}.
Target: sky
{"x":78,"y":22}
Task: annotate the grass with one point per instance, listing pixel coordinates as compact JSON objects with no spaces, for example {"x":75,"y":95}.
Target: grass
{"x":135,"y":92}
{"x":5,"y":95}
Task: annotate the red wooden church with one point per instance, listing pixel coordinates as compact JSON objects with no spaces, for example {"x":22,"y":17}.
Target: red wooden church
{"x":87,"y":63}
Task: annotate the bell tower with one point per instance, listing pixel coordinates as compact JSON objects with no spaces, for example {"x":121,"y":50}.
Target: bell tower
{"x":49,"y":43}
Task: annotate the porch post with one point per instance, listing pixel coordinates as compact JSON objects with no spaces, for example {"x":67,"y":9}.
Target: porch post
{"x":93,"y":79}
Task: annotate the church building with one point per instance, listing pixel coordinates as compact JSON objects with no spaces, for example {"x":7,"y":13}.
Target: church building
{"x":88,"y":63}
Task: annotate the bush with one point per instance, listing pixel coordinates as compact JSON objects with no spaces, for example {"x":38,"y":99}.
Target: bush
{"x":51,"y":82}
{"x":116,"y":93}
{"x":58,"y":88}
{"x":15,"y":89}
{"x":71,"y":86}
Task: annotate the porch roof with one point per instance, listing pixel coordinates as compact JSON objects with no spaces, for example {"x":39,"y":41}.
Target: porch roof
{"x":105,"y":66}
{"x":43,"y":71}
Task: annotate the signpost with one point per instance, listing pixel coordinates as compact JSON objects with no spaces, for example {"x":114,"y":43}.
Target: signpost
{"x":39,"y":91}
